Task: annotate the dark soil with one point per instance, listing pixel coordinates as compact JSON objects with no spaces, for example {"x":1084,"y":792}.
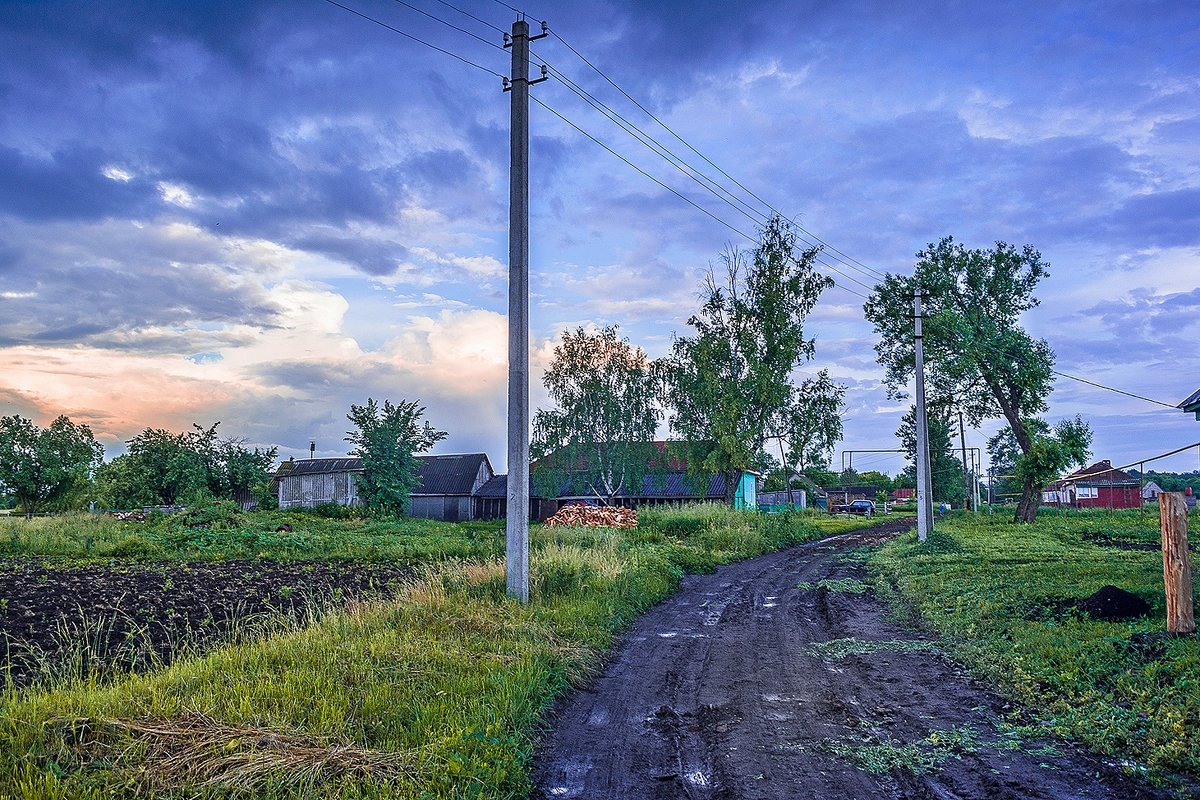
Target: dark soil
{"x":715,"y":693}
{"x":1113,"y":603}
{"x":98,"y":618}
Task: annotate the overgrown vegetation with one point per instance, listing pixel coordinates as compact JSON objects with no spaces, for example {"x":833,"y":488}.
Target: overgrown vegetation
{"x":1002,"y":596}
{"x":436,"y":694}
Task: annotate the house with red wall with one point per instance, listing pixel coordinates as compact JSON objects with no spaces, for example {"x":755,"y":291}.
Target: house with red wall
{"x":1096,"y":486}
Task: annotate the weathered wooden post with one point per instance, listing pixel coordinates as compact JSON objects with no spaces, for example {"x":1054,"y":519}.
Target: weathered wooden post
{"x":1177,"y":566}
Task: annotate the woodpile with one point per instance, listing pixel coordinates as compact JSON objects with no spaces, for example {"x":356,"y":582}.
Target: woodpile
{"x":595,"y":517}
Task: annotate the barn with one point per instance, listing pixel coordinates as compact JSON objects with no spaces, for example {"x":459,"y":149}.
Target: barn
{"x":307,"y":483}
{"x":664,"y":488}
{"x":445,"y":484}
{"x":1096,"y":486}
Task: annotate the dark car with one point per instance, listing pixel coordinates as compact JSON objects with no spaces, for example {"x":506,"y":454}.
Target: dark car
{"x":864,"y":507}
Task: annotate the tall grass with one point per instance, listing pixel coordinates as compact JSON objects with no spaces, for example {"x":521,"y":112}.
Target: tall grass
{"x":439,"y":693}
{"x":1002,"y":594}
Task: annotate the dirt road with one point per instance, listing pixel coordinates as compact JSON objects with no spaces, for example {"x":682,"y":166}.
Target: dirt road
{"x":760,"y":682}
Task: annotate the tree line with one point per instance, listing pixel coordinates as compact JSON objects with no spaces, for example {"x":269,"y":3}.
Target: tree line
{"x":726,"y":390}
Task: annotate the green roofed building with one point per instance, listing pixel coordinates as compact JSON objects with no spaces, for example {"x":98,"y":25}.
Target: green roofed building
{"x":1192,"y":404}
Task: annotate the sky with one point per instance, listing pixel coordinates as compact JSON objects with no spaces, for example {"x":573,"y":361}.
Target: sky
{"x":261,"y":212}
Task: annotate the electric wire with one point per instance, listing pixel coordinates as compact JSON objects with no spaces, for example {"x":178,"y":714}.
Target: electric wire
{"x":472,"y":16}
{"x":673,"y":191}
{"x":406,"y":35}
{"x":704,"y":181}
{"x":995,"y":351}
{"x":856,"y":264}
{"x":449,"y":24}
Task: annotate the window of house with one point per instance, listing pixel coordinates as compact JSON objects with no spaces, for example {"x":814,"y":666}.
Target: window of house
{"x":1087,"y":492}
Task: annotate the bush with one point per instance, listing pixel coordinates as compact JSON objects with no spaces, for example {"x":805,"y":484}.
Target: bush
{"x":135,"y":547}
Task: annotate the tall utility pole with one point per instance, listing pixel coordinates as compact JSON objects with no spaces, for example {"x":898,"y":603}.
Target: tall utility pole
{"x":516,"y":552}
{"x":924,"y":483}
{"x":962,"y":441}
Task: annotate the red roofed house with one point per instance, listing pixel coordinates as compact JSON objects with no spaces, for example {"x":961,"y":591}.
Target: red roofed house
{"x":1097,"y":486}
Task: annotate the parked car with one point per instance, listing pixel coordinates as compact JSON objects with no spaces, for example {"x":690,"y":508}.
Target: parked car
{"x":864,"y":507}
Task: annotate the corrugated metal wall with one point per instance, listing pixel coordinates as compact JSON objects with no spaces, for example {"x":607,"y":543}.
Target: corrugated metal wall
{"x":306,"y":491}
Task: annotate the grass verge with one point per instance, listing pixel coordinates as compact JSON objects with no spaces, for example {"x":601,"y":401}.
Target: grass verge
{"x":436,"y":694}
{"x":1002,"y":597}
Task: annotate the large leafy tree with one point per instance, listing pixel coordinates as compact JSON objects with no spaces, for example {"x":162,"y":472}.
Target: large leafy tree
{"x":387,"y":439}
{"x":728,"y":381}
{"x":809,"y":426}
{"x":945,"y":471}
{"x":41,"y":466}
{"x":600,"y":438}
{"x":164,"y":468}
{"x":978,"y":356}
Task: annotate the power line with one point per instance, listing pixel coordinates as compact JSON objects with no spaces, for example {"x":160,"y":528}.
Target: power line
{"x":472,"y":16}
{"x":678,"y":194}
{"x":861,"y":267}
{"x":449,"y":24}
{"x":1171,"y":406}
{"x":687,"y":200}
{"x":416,"y":39}
{"x":755,"y":216}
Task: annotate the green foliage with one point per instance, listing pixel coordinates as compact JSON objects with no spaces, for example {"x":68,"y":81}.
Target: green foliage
{"x":810,"y":423}
{"x":599,"y":440}
{"x":166,"y":468}
{"x":883,"y":755}
{"x":41,"y":467}
{"x":946,"y":471}
{"x":729,"y":381}
{"x":977,"y":357}
{"x":387,"y":440}
{"x":839,"y":649}
{"x":1001,"y":597}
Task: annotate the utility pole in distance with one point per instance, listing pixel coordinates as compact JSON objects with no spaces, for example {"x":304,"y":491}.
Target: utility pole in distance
{"x":962,"y":441}
{"x":924,"y":484}
{"x":516,"y":552}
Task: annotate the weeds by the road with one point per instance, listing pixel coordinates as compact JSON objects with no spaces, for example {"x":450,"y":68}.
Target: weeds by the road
{"x":882,"y":755}
{"x":838,"y":649}
{"x":436,"y":694}
{"x":842,"y":585}
{"x":1003,"y":596}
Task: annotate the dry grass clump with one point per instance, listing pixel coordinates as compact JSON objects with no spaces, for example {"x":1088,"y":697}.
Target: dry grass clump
{"x":196,"y":751}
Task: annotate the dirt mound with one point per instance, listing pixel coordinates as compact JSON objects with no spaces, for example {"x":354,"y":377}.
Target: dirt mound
{"x":1112,"y":603}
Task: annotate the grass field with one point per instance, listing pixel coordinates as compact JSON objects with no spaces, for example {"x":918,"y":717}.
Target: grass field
{"x":436,"y":693}
{"x":1001,"y":594}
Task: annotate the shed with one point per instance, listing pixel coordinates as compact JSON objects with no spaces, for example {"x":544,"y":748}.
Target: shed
{"x":307,"y":483}
{"x":1192,"y":404}
{"x":663,"y":488}
{"x":1151,"y":491}
{"x":1096,"y":486}
{"x":444,"y":490}
{"x":446,"y":486}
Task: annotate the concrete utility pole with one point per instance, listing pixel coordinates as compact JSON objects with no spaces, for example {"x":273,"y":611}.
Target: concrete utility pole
{"x":517,"y":518}
{"x":962,"y":441}
{"x":924,"y":483}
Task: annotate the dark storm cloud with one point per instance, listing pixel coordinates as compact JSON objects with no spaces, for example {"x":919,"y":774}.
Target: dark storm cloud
{"x":103,"y":306}
{"x":1162,"y":219}
{"x":373,"y":257}
{"x":69,"y":184}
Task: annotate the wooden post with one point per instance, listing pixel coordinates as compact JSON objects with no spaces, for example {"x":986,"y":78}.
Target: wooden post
{"x":1177,"y":567}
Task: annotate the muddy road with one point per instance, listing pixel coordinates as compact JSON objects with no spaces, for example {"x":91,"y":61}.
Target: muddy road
{"x":779,"y":677}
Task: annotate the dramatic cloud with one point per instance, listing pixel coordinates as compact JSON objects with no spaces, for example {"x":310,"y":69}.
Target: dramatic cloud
{"x":262,"y":212}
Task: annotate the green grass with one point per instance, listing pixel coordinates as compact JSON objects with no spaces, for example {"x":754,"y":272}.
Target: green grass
{"x":439,"y":693}
{"x":999,"y":594}
{"x":838,"y":649}
{"x":249,"y":535}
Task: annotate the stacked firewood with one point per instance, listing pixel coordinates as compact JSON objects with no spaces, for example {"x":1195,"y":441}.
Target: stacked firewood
{"x":595,"y":516}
